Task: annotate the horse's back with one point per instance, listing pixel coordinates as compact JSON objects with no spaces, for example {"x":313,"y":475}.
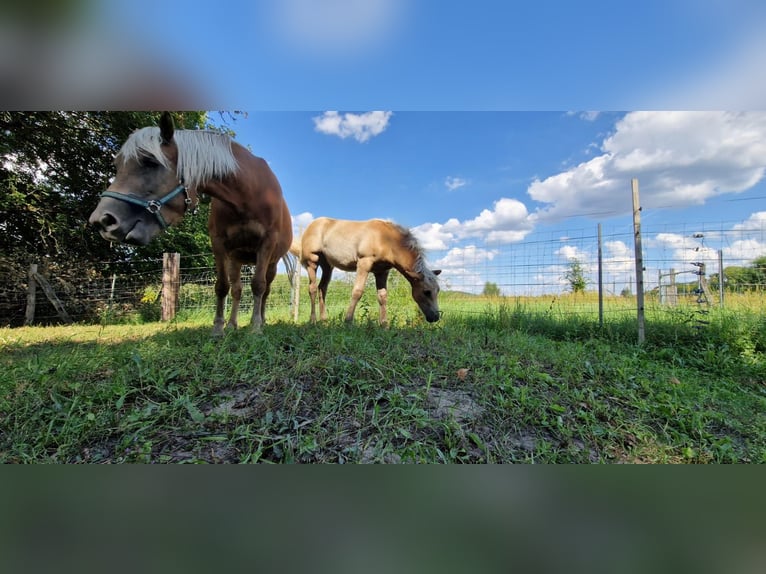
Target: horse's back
{"x":343,"y":242}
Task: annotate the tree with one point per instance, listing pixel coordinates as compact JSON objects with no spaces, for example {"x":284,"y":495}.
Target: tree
{"x":491,"y":290}
{"x":575,"y":276}
{"x":744,"y":278}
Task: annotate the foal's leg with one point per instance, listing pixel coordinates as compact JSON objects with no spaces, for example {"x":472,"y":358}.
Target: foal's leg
{"x":311,"y":268}
{"x":235,"y":277}
{"x":221,"y":291}
{"x":362,"y":270}
{"x":323,"y":283}
{"x":381,"y":280}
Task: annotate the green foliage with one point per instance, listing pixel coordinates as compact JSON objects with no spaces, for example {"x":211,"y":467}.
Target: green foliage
{"x":741,"y":279}
{"x":491,"y":290}
{"x":575,"y":276}
{"x":53,"y":167}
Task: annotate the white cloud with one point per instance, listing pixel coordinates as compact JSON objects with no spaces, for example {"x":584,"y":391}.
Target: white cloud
{"x":359,"y":126}
{"x":619,"y":259}
{"x":684,"y":249}
{"x":680,"y":159}
{"x":743,"y":251}
{"x":756,"y":222}
{"x":470,"y":255}
{"x":301,"y":221}
{"x":571,"y":252}
{"x":459,"y":268}
{"x":453,"y":183}
{"x":507,"y":222}
{"x":433,"y":236}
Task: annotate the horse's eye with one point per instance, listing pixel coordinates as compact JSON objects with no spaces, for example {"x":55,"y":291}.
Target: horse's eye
{"x":427,"y":292}
{"x":148,"y":162}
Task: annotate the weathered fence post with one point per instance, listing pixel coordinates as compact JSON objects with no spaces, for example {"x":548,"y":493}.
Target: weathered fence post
{"x":720,"y":278}
{"x":171,"y":284}
{"x":36,"y":279}
{"x":296,"y":291}
{"x":29,"y":316}
{"x":639,"y":260}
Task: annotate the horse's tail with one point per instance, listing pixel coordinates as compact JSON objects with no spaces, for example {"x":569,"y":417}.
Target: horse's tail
{"x":295,"y":247}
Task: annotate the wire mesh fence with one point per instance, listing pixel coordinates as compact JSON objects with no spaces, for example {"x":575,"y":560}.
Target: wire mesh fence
{"x":541,"y":272}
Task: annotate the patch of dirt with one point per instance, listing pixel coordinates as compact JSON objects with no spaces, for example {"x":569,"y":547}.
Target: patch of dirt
{"x":446,"y":403}
{"x":237,"y":402}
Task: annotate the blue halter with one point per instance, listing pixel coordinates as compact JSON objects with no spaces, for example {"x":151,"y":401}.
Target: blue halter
{"x":154,"y":206}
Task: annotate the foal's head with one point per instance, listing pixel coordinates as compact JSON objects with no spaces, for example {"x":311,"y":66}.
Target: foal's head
{"x":425,"y":291}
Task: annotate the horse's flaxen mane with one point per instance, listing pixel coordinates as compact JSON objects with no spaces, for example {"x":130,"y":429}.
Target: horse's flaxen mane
{"x":202,"y":154}
{"x":410,"y":242}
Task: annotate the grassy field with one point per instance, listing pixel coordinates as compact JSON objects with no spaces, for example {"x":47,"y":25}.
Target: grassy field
{"x":495,"y":381}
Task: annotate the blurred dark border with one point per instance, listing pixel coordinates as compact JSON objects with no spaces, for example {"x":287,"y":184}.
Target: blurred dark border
{"x":384,"y":519}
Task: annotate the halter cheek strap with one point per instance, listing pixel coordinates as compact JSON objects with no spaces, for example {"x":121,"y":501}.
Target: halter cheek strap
{"x":154,"y":206}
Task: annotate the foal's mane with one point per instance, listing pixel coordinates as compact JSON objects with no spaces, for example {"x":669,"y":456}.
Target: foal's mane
{"x":202,"y":154}
{"x":410,"y":242}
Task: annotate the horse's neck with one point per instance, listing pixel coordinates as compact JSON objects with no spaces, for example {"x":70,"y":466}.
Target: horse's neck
{"x":405,"y":264}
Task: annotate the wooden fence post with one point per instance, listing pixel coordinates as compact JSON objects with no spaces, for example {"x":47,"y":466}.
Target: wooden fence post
{"x":296,"y":289}
{"x":639,"y":260}
{"x":29,"y":316}
{"x":171,"y":284}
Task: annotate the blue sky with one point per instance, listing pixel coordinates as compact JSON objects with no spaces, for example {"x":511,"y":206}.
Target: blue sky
{"x":394,"y":54}
{"x":485,"y":190}
{"x":437,"y":55}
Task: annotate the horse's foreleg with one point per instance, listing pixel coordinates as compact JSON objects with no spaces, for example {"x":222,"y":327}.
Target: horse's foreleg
{"x":235,"y":277}
{"x":356,"y":293}
{"x":381,"y":280}
{"x":221,"y":291}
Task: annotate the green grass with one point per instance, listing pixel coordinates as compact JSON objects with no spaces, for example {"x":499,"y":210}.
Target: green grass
{"x":503,"y":382}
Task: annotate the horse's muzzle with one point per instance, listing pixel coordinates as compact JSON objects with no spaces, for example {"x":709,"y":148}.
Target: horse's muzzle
{"x":113,"y":229}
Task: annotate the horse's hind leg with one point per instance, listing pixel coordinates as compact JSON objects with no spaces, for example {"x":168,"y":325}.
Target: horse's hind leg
{"x":221,"y":291}
{"x":311,"y":269}
{"x":262,"y":277}
{"x":323,"y":283}
{"x":381,"y":280}
{"x":321,"y":289}
{"x":235,"y":277}
{"x":271,"y":272}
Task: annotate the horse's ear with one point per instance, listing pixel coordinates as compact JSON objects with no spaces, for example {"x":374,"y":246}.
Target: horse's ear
{"x":166,"y":127}
{"x":437,"y":271}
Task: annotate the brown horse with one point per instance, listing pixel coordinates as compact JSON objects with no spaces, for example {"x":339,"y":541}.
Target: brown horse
{"x":373,"y":246}
{"x":161,"y":173}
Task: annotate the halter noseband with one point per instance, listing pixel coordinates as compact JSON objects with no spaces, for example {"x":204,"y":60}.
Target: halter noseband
{"x":154,"y":206}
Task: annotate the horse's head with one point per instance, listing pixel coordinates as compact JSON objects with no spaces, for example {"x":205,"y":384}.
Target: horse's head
{"x":146,"y":195}
{"x":425,"y":291}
